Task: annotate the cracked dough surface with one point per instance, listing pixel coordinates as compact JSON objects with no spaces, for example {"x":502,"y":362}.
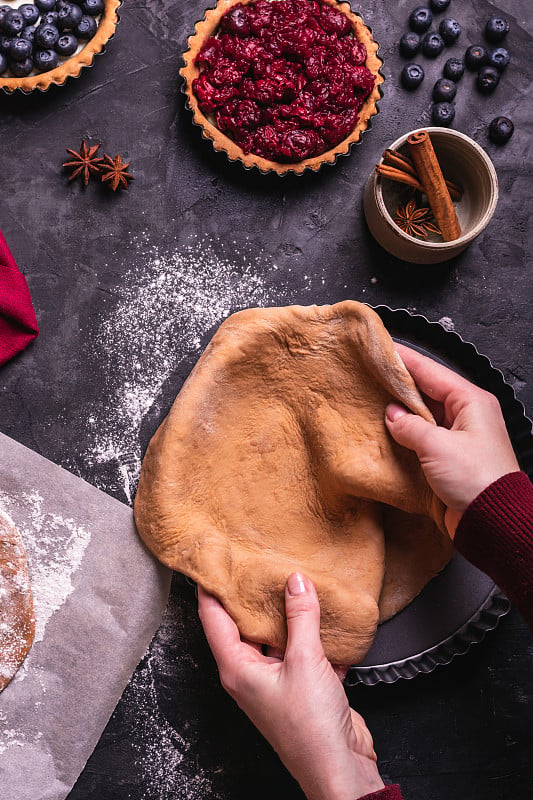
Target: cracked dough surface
{"x":17,"y":621}
{"x":275,"y":457}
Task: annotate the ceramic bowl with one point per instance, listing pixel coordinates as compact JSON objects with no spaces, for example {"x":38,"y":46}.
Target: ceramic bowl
{"x":463,"y":162}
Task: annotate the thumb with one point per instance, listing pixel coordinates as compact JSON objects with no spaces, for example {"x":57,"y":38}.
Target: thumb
{"x":303,"y":619}
{"x":408,"y":429}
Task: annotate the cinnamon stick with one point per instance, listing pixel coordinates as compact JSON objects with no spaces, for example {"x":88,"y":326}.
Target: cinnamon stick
{"x":399,"y":175}
{"x":396,"y":159}
{"x":432,"y":179}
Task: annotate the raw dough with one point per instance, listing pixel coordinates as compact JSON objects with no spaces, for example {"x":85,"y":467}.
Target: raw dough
{"x":17,"y":622}
{"x":275,"y":457}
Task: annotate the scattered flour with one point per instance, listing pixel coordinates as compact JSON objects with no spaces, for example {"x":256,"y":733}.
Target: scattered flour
{"x":447,"y":323}
{"x":165,"y":307}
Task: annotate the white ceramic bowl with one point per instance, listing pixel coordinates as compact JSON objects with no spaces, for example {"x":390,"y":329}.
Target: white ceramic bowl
{"x":464,"y":162}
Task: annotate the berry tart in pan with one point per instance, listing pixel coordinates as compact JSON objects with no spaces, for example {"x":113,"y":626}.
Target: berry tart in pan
{"x":282,"y":85}
{"x":46,"y":41}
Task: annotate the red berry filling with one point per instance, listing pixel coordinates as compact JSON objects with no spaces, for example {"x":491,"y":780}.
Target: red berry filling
{"x":284,"y":78}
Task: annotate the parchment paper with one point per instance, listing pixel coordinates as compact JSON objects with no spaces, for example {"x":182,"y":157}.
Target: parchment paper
{"x":99,"y":596}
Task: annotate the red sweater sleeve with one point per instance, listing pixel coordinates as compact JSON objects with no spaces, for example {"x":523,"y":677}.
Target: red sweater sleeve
{"x":388,"y":793}
{"x":496,"y":535}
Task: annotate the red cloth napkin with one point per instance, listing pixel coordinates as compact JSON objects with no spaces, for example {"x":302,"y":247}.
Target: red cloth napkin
{"x":18,"y":324}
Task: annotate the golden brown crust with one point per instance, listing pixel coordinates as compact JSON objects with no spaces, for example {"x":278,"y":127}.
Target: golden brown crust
{"x":275,"y":457}
{"x":74,"y":65}
{"x":208,"y":27}
{"x":17,"y":621}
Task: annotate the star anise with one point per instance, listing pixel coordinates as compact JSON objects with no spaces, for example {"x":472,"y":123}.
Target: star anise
{"x":85,"y":163}
{"x":415,"y":221}
{"x":114,"y":172}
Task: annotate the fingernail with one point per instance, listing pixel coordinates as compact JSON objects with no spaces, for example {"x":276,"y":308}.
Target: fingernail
{"x":394,"y":412}
{"x":296,"y":584}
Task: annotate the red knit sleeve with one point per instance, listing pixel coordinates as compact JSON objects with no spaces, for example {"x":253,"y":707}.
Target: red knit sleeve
{"x":496,"y":535}
{"x":391,"y":792}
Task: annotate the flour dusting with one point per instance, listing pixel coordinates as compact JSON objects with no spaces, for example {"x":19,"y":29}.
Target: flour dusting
{"x":166,"y":306}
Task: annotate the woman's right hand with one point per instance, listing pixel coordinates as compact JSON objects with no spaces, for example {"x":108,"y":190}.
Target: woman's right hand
{"x":468,"y":449}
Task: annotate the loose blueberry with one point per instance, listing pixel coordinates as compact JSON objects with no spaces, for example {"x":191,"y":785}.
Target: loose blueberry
{"x":499,"y":58}
{"x":487,"y":79}
{"x":3,"y":63}
{"x":20,"y":49}
{"x":86,"y":28}
{"x":20,"y":69}
{"x":69,"y":17}
{"x":29,"y":33}
{"x":93,"y":8}
{"x":3,"y":12}
{"x":476,"y":56}
{"x":66,"y":45}
{"x":410,"y":44}
{"x":439,"y":5}
{"x":45,"y":5}
{"x":443,"y":113}
{"x":13,"y":22}
{"x":46,"y":37}
{"x":412,"y":76}
{"x":432,"y":45}
{"x":496,"y":29}
{"x":50,"y":18}
{"x":444,"y":91}
{"x":45,"y":60}
{"x":420,"y":19}
{"x":500,"y":130}
{"x":454,"y":69}
{"x":450,"y":30}
{"x":30,"y":12}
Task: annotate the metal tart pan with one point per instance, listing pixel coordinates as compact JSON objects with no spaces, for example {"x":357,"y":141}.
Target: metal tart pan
{"x":293,"y":171}
{"x":461,"y":605}
{"x":60,"y":75}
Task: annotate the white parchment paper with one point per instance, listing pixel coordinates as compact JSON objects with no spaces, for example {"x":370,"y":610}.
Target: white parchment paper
{"x":99,"y":596}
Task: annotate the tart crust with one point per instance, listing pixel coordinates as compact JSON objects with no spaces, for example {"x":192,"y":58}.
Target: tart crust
{"x":73,"y":65}
{"x":209,"y":26}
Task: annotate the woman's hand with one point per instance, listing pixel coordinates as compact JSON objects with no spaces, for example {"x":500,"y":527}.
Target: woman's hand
{"x":469,"y":447}
{"x":296,"y":701}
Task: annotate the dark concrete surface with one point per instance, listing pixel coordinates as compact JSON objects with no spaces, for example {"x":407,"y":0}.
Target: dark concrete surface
{"x":464,"y":730}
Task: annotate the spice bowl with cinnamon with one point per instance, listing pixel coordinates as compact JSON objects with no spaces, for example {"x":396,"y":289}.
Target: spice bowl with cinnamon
{"x":432,"y":193}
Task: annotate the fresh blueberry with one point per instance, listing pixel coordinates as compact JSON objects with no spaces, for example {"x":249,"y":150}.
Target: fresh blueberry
{"x":432,"y":45}
{"x":86,"y":28}
{"x":450,"y":30}
{"x":20,"y":69}
{"x":476,"y":56}
{"x":69,"y":16}
{"x":487,"y":79}
{"x":454,"y":69}
{"x":3,"y":11}
{"x":5,"y":44}
{"x":499,"y":58}
{"x":500,"y":130}
{"x":45,"y":5}
{"x":30,"y":12}
{"x":410,"y":44}
{"x":93,"y":8}
{"x":46,"y":37}
{"x":19,"y":50}
{"x":66,"y":45}
{"x":496,"y":29}
{"x":412,"y":76}
{"x":420,"y":19}
{"x":13,"y":22}
{"x":45,"y":60}
{"x":444,"y":91}
{"x":443,"y":113}
{"x":3,"y":63}
{"x":29,"y":33}
{"x":50,"y":18}
{"x":439,"y":5}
